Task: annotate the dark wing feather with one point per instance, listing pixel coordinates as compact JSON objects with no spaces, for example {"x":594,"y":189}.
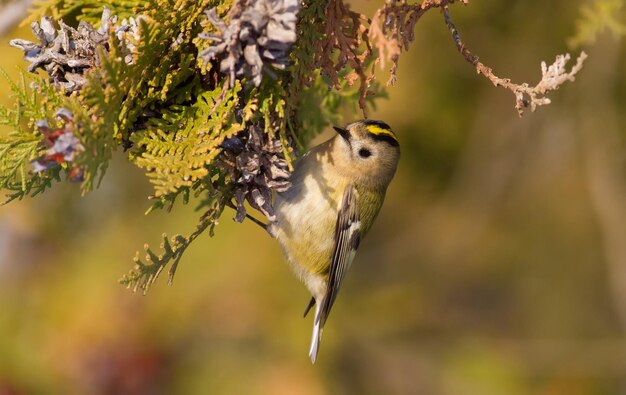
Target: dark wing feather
{"x":309,"y":306}
{"x":347,"y":238}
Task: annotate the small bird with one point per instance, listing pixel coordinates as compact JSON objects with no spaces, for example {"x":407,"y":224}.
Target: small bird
{"x":337,"y":189}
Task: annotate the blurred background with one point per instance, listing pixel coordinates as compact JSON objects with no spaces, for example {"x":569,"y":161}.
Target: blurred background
{"x":497,"y":265}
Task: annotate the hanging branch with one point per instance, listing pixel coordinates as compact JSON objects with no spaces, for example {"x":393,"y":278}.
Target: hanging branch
{"x":346,"y":32}
{"x":552,"y":77}
{"x":212,"y":99}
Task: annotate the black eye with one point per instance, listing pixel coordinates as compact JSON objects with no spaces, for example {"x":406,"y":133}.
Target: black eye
{"x":364,"y":153}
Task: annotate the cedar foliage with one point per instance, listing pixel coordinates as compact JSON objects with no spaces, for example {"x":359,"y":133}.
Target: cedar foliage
{"x":168,"y":109}
{"x":194,"y":129}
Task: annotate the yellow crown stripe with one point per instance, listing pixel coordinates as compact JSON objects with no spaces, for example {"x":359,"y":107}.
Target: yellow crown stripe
{"x":377,"y":130}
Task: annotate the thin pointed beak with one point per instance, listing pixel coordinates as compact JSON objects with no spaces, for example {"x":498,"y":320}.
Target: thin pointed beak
{"x":342,"y":132}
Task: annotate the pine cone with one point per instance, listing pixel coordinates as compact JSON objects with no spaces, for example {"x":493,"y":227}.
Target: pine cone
{"x":260,"y":34}
{"x":67,"y":53}
{"x":260,"y":168}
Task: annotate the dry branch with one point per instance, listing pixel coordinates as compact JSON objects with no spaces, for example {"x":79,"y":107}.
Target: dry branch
{"x":552,"y":77}
{"x":346,"y":36}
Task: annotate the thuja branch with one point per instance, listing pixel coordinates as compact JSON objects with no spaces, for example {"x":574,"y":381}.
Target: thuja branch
{"x":552,"y":77}
{"x":212,"y":98}
{"x":144,"y":274}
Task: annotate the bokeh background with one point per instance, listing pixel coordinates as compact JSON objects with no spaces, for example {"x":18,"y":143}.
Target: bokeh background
{"x":497,"y":265}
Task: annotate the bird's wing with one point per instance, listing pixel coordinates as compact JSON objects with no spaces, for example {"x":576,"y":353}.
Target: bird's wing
{"x":347,"y":238}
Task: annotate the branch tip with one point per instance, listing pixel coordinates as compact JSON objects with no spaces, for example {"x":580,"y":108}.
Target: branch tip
{"x":552,"y":77}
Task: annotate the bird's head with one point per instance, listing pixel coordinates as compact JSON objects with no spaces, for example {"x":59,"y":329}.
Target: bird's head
{"x":368,"y":151}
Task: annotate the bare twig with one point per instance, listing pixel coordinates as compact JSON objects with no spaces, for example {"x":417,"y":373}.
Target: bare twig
{"x":251,"y":218}
{"x":552,"y":78}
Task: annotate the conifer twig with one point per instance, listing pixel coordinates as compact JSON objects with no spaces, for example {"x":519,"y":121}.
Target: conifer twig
{"x":553,"y":76}
{"x":251,"y":218}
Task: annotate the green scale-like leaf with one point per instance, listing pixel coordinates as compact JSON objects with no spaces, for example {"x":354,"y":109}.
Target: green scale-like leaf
{"x":177,"y":149}
{"x":23,"y":142}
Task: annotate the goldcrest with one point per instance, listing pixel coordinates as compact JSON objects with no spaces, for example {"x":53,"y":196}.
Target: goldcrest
{"x":337,"y":190}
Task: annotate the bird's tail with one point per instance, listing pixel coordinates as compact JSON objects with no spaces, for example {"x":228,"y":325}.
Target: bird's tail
{"x":318,"y":327}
